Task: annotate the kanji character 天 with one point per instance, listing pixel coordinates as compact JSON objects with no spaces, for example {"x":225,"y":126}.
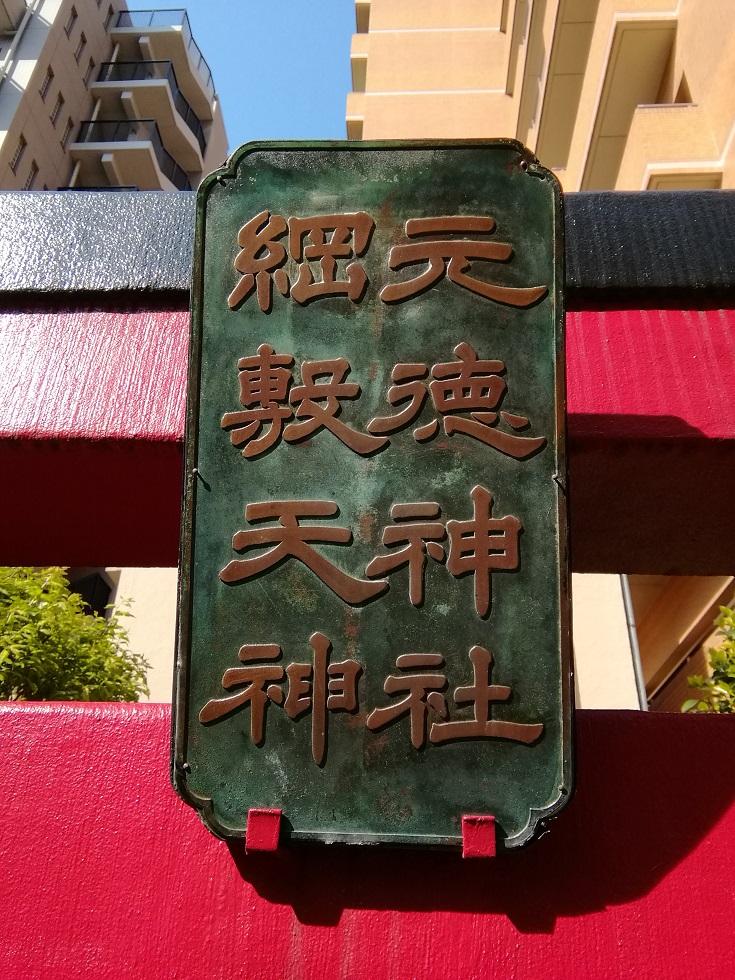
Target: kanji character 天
{"x":409,"y":387}
{"x":259,"y":263}
{"x":256,"y":693}
{"x":330,"y":390}
{"x":415,"y":537}
{"x":358,"y":225}
{"x":453,"y":257}
{"x":476,"y":387}
{"x":291,"y":540}
{"x":422,"y":692}
{"x":264,"y":381}
{"x":483,"y":544}
{"x":481,"y":694}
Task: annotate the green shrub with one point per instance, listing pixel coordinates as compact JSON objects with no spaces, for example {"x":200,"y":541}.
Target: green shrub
{"x":51,"y":650}
{"x":717,"y":693}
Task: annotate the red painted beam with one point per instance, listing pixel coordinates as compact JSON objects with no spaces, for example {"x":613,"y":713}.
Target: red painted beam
{"x":109,"y":875}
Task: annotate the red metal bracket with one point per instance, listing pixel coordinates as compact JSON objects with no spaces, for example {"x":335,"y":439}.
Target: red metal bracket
{"x":478,"y":836}
{"x":263,"y":829}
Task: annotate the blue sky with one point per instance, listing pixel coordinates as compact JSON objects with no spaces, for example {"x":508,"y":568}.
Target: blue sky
{"x":281,"y":67}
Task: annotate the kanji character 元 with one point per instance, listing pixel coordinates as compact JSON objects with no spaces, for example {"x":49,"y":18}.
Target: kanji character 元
{"x":415,"y":538}
{"x":358,"y":226}
{"x":330,"y":390}
{"x":453,"y":257}
{"x":291,"y":540}
{"x":422,"y":693}
{"x":256,"y":693}
{"x":409,"y":387}
{"x":481,"y":694}
{"x":264,"y":381}
{"x":259,"y":263}
{"x":476,"y":387}
{"x":483,"y":544}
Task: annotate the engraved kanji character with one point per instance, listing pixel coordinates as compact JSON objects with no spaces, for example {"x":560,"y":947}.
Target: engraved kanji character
{"x":415,"y":537}
{"x":409,"y":387}
{"x":309,"y":689}
{"x":483,"y":544}
{"x":291,"y":540}
{"x":256,"y":694}
{"x":264,"y":381}
{"x":453,"y":257}
{"x":316,"y":416}
{"x":481,"y":694}
{"x":475,"y":386}
{"x":422,"y":693}
{"x":260,"y":260}
{"x":358,"y":225}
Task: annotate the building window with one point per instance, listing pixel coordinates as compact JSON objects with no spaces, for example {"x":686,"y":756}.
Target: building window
{"x":110,"y":15}
{"x":88,"y":72}
{"x":69,"y":26}
{"x":67,"y":132}
{"x":31,"y":178}
{"x":46,"y":83}
{"x":18,"y":155}
{"x":58,"y":106}
{"x":80,"y":47}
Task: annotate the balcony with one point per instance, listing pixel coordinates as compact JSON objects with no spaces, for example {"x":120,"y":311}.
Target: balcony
{"x":165,"y":35}
{"x":126,"y":151}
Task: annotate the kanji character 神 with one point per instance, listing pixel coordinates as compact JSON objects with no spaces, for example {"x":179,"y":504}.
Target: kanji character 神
{"x":264,"y":382}
{"x":415,"y":537}
{"x":291,"y":540}
{"x":453,"y":257}
{"x":422,"y":692}
{"x":483,"y":544}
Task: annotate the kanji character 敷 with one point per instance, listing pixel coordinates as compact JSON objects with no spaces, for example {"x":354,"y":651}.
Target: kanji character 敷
{"x":415,"y":537}
{"x":256,"y":676}
{"x":260,"y":259}
{"x":358,"y":226}
{"x":264,"y":381}
{"x":422,"y":692}
{"x":291,"y":540}
{"x":453,"y":257}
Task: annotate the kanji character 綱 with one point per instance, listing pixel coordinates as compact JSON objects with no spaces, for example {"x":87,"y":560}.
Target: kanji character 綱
{"x":321,"y":688}
{"x":415,"y":537}
{"x":259,"y":263}
{"x":481,"y":694}
{"x":408,"y":387}
{"x":264,"y":382}
{"x":256,"y":694}
{"x":358,"y":226}
{"x":476,"y":387}
{"x":483,"y":544}
{"x":291,"y":540}
{"x":422,"y":692}
{"x":330,"y":390}
{"x":453,"y":257}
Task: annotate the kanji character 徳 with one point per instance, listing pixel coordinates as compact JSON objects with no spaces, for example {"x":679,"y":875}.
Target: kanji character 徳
{"x":422,"y":692}
{"x":408,"y":387}
{"x":453,"y":257}
{"x":291,"y":540}
{"x":264,"y":382}
{"x":415,"y":537}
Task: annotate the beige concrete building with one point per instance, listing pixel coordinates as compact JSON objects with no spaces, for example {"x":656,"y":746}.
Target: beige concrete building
{"x":93,"y":95}
{"x":609,"y":94}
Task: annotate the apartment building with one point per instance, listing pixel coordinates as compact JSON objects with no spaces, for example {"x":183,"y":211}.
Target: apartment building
{"x":96,"y":96}
{"x":609,"y":94}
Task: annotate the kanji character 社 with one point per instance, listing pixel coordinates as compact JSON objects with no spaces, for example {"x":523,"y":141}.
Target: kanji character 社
{"x":481,"y":694}
{"x":415,"y":537}
{"x":256,"y":693}
{"x":259,"y":263}
{"x":422,"y":693}
{"x":316,"y":416}
{"x":476,"y":387}
{"x":483,"y":544}
{"x":453,"y":257}
{"x":358,"y":226}
{"x":291,"y":540}
{"x":264,"y":382}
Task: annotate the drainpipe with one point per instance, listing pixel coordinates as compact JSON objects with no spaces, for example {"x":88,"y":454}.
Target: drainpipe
{"x":635,"y":652}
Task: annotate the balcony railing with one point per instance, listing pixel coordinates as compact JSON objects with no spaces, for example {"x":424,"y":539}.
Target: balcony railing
{"x":170,"y":18}
{"x":135,"y":130}
{"x":137,"y":71}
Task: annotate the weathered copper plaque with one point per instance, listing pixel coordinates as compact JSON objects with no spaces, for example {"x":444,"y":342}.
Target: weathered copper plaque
{"x":373,"y":624}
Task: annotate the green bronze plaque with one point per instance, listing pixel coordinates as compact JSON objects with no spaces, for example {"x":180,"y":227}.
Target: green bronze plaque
{"x":373,"y":622}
